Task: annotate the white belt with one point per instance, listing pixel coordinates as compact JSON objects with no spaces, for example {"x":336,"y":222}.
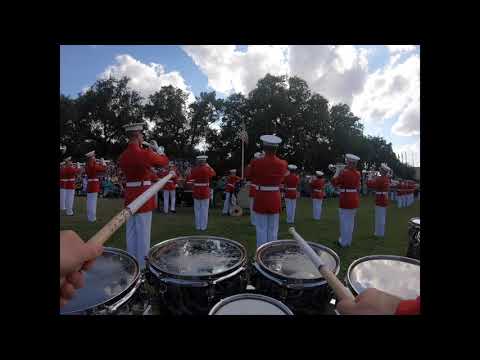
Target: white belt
{"x":63,"y":179}
{"x":200,"y":184}
{"x":92,"y":180}
{"x":138,"y":183}
{"x":291,"y":189}
{"x":317,"y":190}
{"x":348,"y":190}
{"x":381,"y":193}
{"x":268,"y":188}
{"x":72,"y":179}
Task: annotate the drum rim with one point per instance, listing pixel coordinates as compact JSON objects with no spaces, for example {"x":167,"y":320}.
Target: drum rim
{"x":376,"y":257}
{"x":242,"y":260}
{"x":117,"y":297}
{"x":244,"y":296}
{"x":318,"y":280}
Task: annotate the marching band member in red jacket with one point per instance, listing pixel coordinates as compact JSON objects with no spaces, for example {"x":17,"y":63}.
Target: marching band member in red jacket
{"x":317,"y":185}
{"x":62,"y":186}
{"x":201,"y":176}
{"x":381,"y":186}
{"x":169,"y":190}
{"x":229,"y":191}
{"x":348,"y":182}
{"x":268,"y":173}
{"x":93,"y":187}
{"x":70,"y":174}
{"x":136,"y":163}
{"x":290,"y":184}
{"x":252,"y":186}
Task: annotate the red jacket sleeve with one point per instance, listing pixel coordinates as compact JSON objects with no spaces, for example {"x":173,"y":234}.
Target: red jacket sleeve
{"x":409,"y":307}
{"x":154,"y":159}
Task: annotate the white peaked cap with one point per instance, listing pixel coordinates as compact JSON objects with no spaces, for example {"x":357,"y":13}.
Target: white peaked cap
{"x":270,"y":140}
{"x":233,"y":170}
{"x":133,"y":127}
{"x":257,"y":155}
{"x":352,"y":157}
{"x":292,"y":167}
{"x":90,"y":154}
{"x":385,"y":166}
{"x":202,"y":157}
{"x":67,"y":159}
{"x":319,"y":173}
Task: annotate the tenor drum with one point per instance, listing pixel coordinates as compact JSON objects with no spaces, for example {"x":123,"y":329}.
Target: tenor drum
{"x":110,"y":285}
{"x":250,"y":304}
{"x":190,"y":274}
{"x":414,"y":238}
{"x":282,"y":271}
{"x":396,"y":275}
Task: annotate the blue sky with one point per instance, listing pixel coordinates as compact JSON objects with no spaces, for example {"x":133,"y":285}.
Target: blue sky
{"x":380,"y":83}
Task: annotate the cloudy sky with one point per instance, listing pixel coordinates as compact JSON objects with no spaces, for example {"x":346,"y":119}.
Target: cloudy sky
{"x":381,"y":83}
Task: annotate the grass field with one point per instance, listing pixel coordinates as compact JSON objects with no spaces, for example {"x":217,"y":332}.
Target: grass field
{"x":324,"y":232}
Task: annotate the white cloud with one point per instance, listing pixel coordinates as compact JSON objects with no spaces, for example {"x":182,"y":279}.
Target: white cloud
{"x":400,"y":48}
{"x":408,"y":122}
{"x":146,"y":78}
{"x":410,"y":149}
{"x":229,"y":70}
{"x":389,"y":91}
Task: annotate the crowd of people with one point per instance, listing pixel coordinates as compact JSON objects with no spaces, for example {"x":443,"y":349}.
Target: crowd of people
{"x":270,"y":181}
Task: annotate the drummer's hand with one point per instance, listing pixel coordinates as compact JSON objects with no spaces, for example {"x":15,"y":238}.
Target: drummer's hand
{"x":370,"y":302}
{"x":75,"y":255}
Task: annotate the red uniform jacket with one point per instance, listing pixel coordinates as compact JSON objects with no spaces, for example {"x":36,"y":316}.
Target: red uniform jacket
{"x":268,"y":171}
{"x":248,"y":177}
{"x":91,"y":168}
{"x":231,"y":181}
{"x":291,"y":182}
{"x":409,"y":307}
{"x":381,"y":184}
{"x":69,"y":174}
{"x":317,"y":186}
{"x":135,"y":163}
{"x":62,"y":178}
{"x":201,"y":176}
{"x":348,"y":179}
{"x":188,"y":187}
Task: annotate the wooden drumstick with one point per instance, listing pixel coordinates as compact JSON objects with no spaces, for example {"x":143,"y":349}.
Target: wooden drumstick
{"x":118,"y":220}
{"x":338,"y":288}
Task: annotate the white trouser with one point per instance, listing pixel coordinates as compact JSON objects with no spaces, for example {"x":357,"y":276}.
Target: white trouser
{"x":69,"y":197}
{"x":266,"y":227}
{"x":380,"y":216}
{"x":138,"y":236}
{"x":290,"y":205}
{"x":347,"y":223}
{"x":392,"y":195}
{"x":200,"y":208}
{"x":226,"y":204}
{"x":62,"y":199}
{"x":405,"y":200}
{"x":168,"y":194}
{"x":400,"y":201}
{"x":252,"y":213}
{"x":92,"y":206}
{"x":317,"y":208}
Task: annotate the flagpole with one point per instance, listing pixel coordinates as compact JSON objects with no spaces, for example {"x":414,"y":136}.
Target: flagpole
{"x":242,"y":158}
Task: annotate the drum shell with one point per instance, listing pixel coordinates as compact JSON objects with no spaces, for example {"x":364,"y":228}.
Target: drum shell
{"x":302,"y":297}
{"x":413,"y":250}
{"x":193,"y":297}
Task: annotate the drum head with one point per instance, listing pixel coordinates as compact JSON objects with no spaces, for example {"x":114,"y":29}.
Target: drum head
{"x":197,"y":256}
{"x":111,"y":275}
{"x":415,"y":222}
{"x":250,"y":304}
{"x":285,"y":259}
{"x":395,"y":275}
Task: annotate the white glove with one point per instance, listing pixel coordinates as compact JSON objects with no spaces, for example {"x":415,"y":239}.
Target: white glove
{"x":78,"y":165}
{"x":154,"y":145}
{"x":102,"y":160}
{"x":171,"y":172}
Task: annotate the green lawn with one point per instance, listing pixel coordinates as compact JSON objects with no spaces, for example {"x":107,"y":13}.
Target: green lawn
{"x":324,"y":231}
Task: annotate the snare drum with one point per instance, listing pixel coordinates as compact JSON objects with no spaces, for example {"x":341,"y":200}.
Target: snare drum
{"x":110,"y":285}
{"x":396,"y":275}
{"x":414,"y":238}
{"x":250,"y":304}
{"x":282,"y":271}
{"x":190,"y":274}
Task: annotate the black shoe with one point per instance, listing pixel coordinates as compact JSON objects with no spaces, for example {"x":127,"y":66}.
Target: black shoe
{"x":173,"y":211}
